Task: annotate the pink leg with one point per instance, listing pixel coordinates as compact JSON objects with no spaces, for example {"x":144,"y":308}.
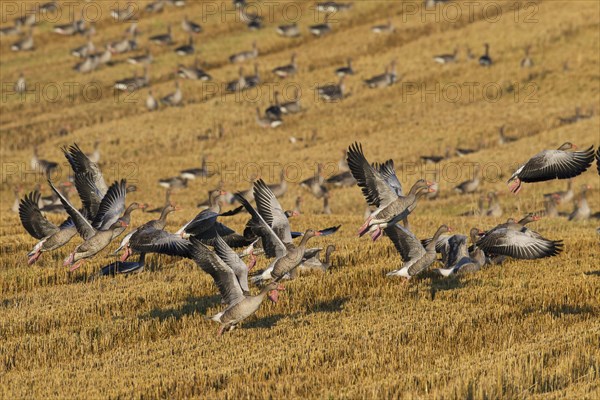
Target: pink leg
{"x":365,"y":227}
{"x":69,"y":259}
{"x":377,"y":234}
{"x":34,"y":257}
{"x":74,"y":267}
{"x":221,"y":329}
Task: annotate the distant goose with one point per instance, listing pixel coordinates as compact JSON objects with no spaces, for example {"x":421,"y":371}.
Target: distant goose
{"x":274,"y":111}
{"x":471,"y":185}
{"x":253,"y":80}
{"x":173,"y":99}
{"x":527,"y":62}
{"x":124,"y":14}
{"x":244,"y":55}
{"x":323,"y":29}
{"x":163,"y":39}
{"x":485,"y":60}
{"x":345,"y":70}
{"x":434,"y":159}
{"x":503,"y":138}
{"x":494,"y":208}
{"x":332,"y":7}
{"x":578,"y":116}
{"x":475,"y":212}
{"x":332,"y":92}
{"x":239,"y":84}
{"x":553,"y":164}
{"x":10,"y":30}
{"x":176,"y":182}
{"x":145,"y":58}
{"x":316,"y":183}
{"x":123,"y":46}
{"x":186,"y":49}
{"x":202,"y":172}
{"x":25,"y":44}
{"x":71,"y":29}
{"x":326,"y":206}
{"x":290,"y":30}
{"x":84,"y":50}
{"x":462,"y":151}
{"x":190,"y":26}
{"x":265,"y":121}
{"x":384,"y":80}
{"x":582,"y":210}
{"x":563,"y":196}
{"x":151,"y":102}
{"x":43,"y":166}
{"x":193,"y":72}
{"x":20,"y":84}
{"x":287,"y":70}
{"x":90,"y":64}
{"x":314,"y":263}
{"x":292,"y":106}
{"x":133,"y":83}
{"x":279,"y":189}
{"x":387,"y":28}
{"x":155,"y":7}
{"x":446,"y":58}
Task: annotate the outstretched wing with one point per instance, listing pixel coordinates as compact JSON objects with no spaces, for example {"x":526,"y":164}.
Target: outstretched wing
{"x":32,"y":219}
{"x":556,"y":164}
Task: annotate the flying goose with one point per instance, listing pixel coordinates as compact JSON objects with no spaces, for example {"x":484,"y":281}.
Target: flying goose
{"x":390,"y":207}
{"x":190,"y":26}
{"x":173,"y":99}
{"x":415,"y":257}
{"x":322,"y":29}
{"x":553,"y":164}
{"x":345,"y":70}
{"x":25,"y":44}
{"x":386,"y":28}
{"x":290,"y":30}
{"x":287,"y":70}
{"x":49,"y":235}
{"x":245,"y":55}
{"x":458,"y":258}
{"x":186,"y":49}
{"x":527,"y":62}
{"x":240,"y":306}
{"x":384,"y":80}
{"x":163,"y":39}
{"x":446,"y":58}
{"x":581,"y":211}
{"x":332,"y":93}
{"x":485,"y":60}
{"x":193,"y":72}
{"x":133,"y":83}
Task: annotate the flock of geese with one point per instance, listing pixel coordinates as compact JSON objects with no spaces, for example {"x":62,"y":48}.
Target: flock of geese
{"x":229,"y":256}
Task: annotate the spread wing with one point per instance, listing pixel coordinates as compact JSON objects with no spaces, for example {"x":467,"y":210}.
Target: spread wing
{"x":240,"y":269}
{"x":556,"y":164}
{"x":273,"y":246}
{"x":112,"y":206}
{"x":518,"y":244}
{"x":388,"y":173}
{"x":269,"y":208}
{"x":405,"y":242}
{"x":84,"y":227}
{"x":152,"y":240}
{"x":32,"y":219}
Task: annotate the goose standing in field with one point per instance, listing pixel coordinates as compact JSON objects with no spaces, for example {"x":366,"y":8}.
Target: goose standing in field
{"x":174,"y":99}
{"x":435,"y":159}
{"x":447,"y":58}
{"x":89,"y":64}
{"x":292,"y":106}
{"x":385,"y":28}
{"x":151,"y":102}
{"x":124,"y":14}
{"x":553,"y":164}
{"x":578,"y":116}
{"x":202,"y":172}
{"x":415,"y":257}
{"x":503,"y":138}
{"x":323,"y":29}
{"x":11,"y":30}
{"x":145,"y":58}
{"x":164,"y":39}
{"x":390,"y":208}
{"x":84,"y":50}
{"x":238,"y":84}
{"x":190,"y":26}
{"x":253,"y":80}
{"x":265,"y":121}
{"x":315,"y":184}
{"x":133,"y":83}
{"x":123,"y":46}
{"x":240,"y":306}
{"x":49,"y":235}
{"x":25,"y":44}
{"x":186,"y":49}
{"x":346,"y":69}
{"x":527,"y":62}
{"x":344,"y":176}
{"x":194,"y":72}
{"x":326,"y":206}
{"x":245,"y":55}
{"x":43,"y":166}
{"x":287,"y":70}
{"x":71,"y":29}
{"x":289,"y":30}
{"x":471,"y":185}
{"x":563,"y":196}
{"x":155,"y":7}
{"x":551,"y":207}
{"x":274,"y":111}
{"x":384,"y":80}
{"x":279,"y":189}
{"x":582,"y":209}
{"x":176,"y":182}
{"x":459,"y":259}
{"x":314,"y":263}
{"x":20,"y":84}
{"x":333,"y":7}
{"x":485,"y":60}
{"x":332,"y":93}
{"x":494,"y":208}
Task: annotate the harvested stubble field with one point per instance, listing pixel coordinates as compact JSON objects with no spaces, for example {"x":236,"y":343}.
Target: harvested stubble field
{"x":527,"y":329}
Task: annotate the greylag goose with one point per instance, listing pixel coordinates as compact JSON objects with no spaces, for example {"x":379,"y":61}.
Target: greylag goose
{"x":527,"y":62}
{"x":289,"y":30}
{"x":151,"y":102}
{"x":244,"y":55}
{"x":90,"y":64}
{"x":517,"y":241}
{"x":84,"y":50}
{"x":94,"y":156}
{"x":120,"y":267}
{"x":190,"y":26}
{"x":168,"y":193}
{"x":20,"y":85}
{"x":155,"y":7}
{"x":11,"y":30}
{"x":71,"y":29}
{"x":287,"y":70}
{"x":503,"y":138}
{"x":43,"y":166}
{"x":326,"y":206}
{"x":147,"y":239}
{"x":316,"y":183}
{"x":292,"y":106}
{"x":384,"y":80}
{"x":123,"y":46}
{"x":435,"y":159}
{"x":186,"y":49}
{"x":322,"y":29}
{"x":49,"y":235}
{"x":240,"y":306}
{"x":485,"y":60}
{"x":206,"y":219}
{"x":238,"y":84}
{"x":582,"y":210}
{"x":332,"y":92}
{"x":25,"y":44}
{"x":265,"y":121}
{"x":578,"y":116}
{"x":376,"y":188}
{"x":345,"y":70}
{"x":385,"y":28}
{"x":332,"y":7}
{"x":274,"y":111}
{"x":462,"y":151}
{"x":458,"y":259}
{"x":176,"y":182}
{"x":173,"y":99}
{"x":553,"y":164}
{"x":314,"y":263}
{"x":202,"y":172}
{"x":253,"y":80}
{"x":133,"y":83}
{"x":124,"y":14}
{"x":145,"y":58}
{"x":494,"y":208}
{"x":563,"y":196}
{"x":415,"y":257}
{"x":279,"y":189}
{"x":551,"y":207}
{"x":343,"y":179}
{"x":271,"y":211}
{"x":471,"y":185}
{"x":193,"y":72}
{"x":163,"y":39}
{"x":446,"y":58}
